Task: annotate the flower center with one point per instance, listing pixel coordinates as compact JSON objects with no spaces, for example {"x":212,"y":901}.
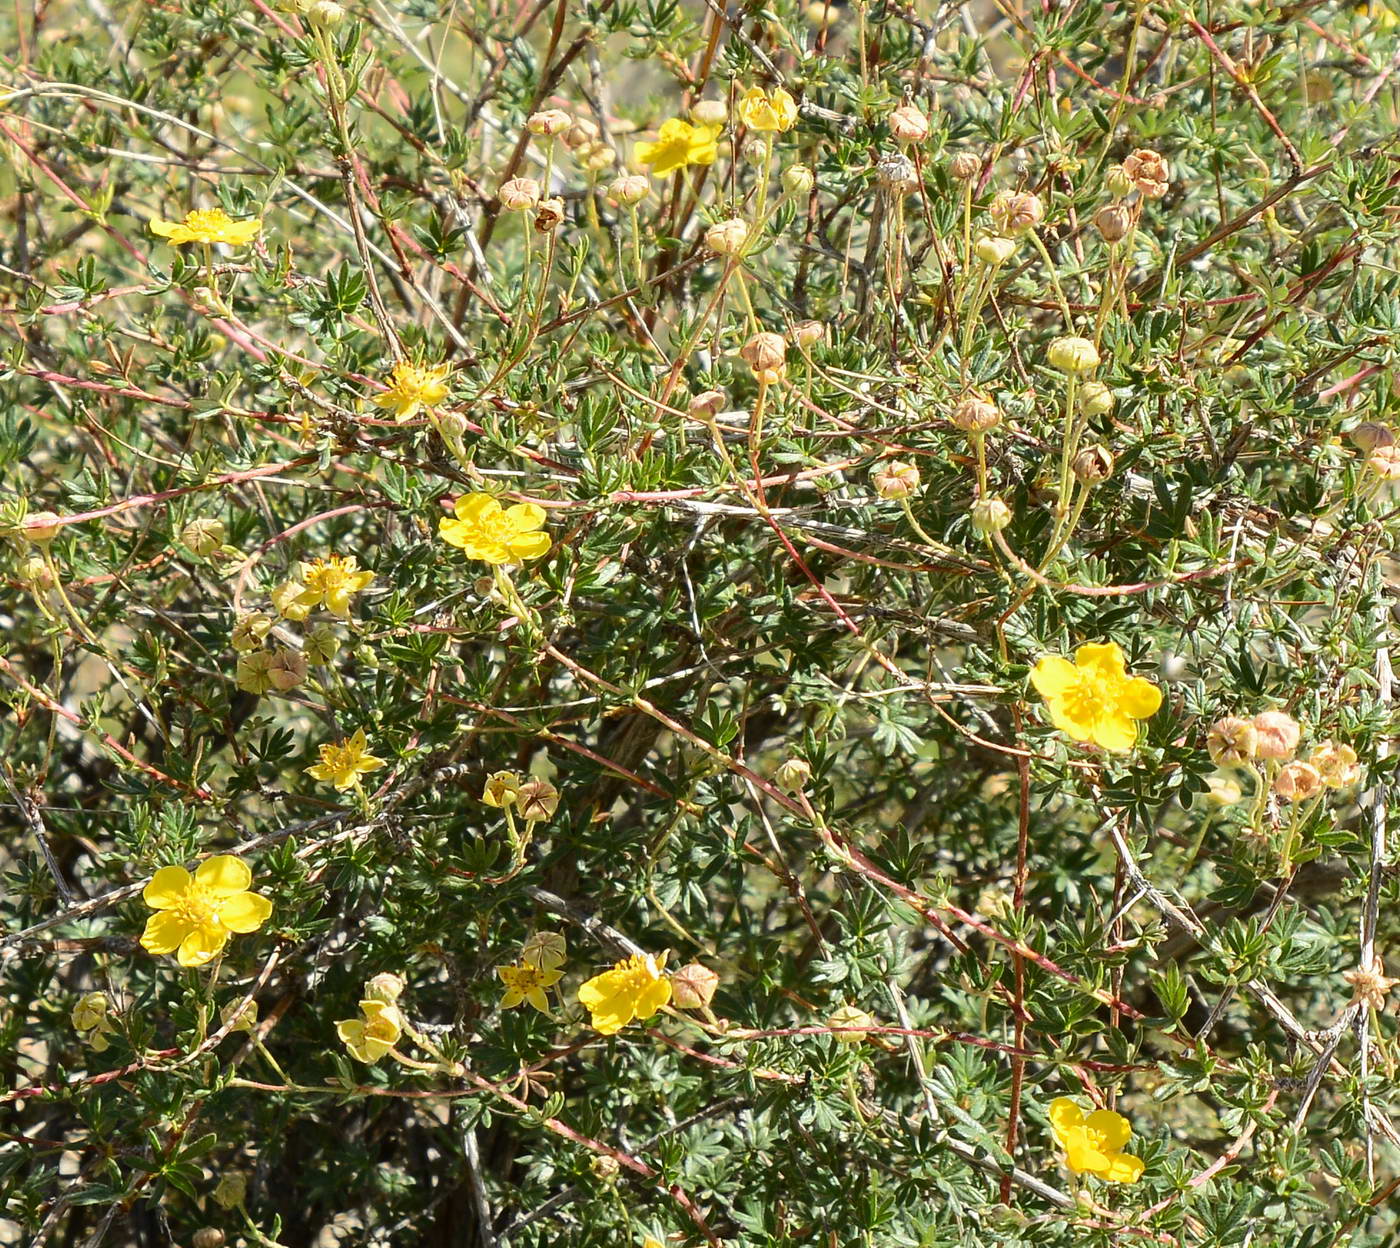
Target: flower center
{"x":207,"y":219}
{"x":197,"y":908}
{"x":1090,"y":696}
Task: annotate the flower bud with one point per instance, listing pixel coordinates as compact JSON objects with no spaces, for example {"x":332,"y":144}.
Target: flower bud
{"x":1113,"y":221}
{"x":1017,"y":211}
{"x":581,"y":133}
{"x":519,"y":195}
{"x":286,"y":669}
{"x":849,"y":1024}
{"x":990,"y":515}
{"x":40,"y":527}
{"x":549,"y":123}
{"x":250,"y":629}
{"x":1279,"y":734}
{"x":693,"y":986}
{"x":605,"y":1168}
{"x":597,"y":157}
{"x":964,"y":167}
{"x":538,"y":800}
{"x":629,"y":190}
{"x":386,"y":987}
{"x":1117,"y":182}
{"x":232,"y":1190}
{"x":1297,"y":781}
{"x":239,"y":1015}
{"x":203,"y":537}
{"x":808,"y":333}
{"x":908,"y":124}
{"x":896,"y":173}
{"x":798,"y":180}
{"x":325,"y":14}
{"x":727,"y":238}
{"x":1335,"y":764}
{"x":819,"y":14}
{"x":1093,"y":464}
{"x":766,"y":354}
{"x":793,"y":774}
{"x":1073,"y":355}
{"x":709,"y":113}
{"x":975,"y":413}
{"x":994,"y":249}
{"x":707,"y":404}
{"x":1223,"y":789}
{"x":1370,"y":436}
{"x":1095,"y":398}
{"x":35,"y":572}
{"x":549,"y":214}
{"x":211,"y":1236}
{"x":1232,"y":741}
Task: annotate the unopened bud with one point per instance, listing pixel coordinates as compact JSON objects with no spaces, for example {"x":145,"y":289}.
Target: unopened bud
{"x":1093,"y":464}
{"x":727,"y":238}
{"x":597,"y":157}
{"x":1073,"y":355}
{"x":386,"y":987}
{"x":990,"y":515}
{"x":808,"y":333}
{"x":793,"y":774}
{"x":519,"y":195}
{"x":1223,"y":789}
{"x":908,"y":124}
{"x":964,"y":167}
{"x":35,"y":572}
{"x":975,"y":413}
{"x":208,"y":1236}
{"x":1117,"y":182}
{"x":709,"y":113}
{"x":693,"y":986}
{"x":1095,"y":398}
{"x":549,"y":123}
{"x":849,"y":1024}
{"x":766,"y":354}
{"x":798,"y":180}
{"x":40,"y":528}
{"x":629,"y":190}
{"x":994,"y":249}
{"x":707,"y":404}
{"x":326,"y":15}
{"x":232,"y":1190}
{"x":605,"y":1168}
{"x":1113,"y":221}
{"x":204,"y":536}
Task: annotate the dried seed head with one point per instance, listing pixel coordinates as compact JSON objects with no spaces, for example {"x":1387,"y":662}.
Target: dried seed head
{"x":766,"y":354}
{"x":1232,"y":741}
{"x":1371,"y":435}
{"x":990,"y":515}
{"x":286,"y":670}
{"x":1015,"y":212}
{"x":849,"y":1024}
{"x":964,"y":167}
{"x":1279,"y":734}
{"x":895,"y":479}
{"x":519,"y":195}
{"x":808,"y":333}
{"x":693,"y":986}
{"x":1113,"y":221}
{"x":549,"y":215}
{"x":203,"y":536}
{"x":597,"y":156}
{"x":908,"y":124}
{"x":1073,"y":355}
{"x":896,"y":173}
{"x":1297,"y":781}
{"x":582,"y":133}
{"x":975,"y":413}
{"x":1384,"y":462}
{"x":549,"y":123}
{"x":1370,"y":984}
{"x":629,"y":190}
{"x":1093,"y":464}
{"x":209,"y":1236}
{"x":994,"y":249}
{"x":538,"y":800}
{"x":707,"y":404}
{"x":727,"y":238}
{"x":798,"y":180}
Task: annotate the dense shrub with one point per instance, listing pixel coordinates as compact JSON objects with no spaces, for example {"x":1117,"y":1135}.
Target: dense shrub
{"x":765,"y":625}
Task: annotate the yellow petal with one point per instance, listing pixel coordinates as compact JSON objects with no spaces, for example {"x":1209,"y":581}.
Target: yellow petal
{"x":1077,"y":729}
{"x":201,"y":945}
{"x":652,"y":999}
{"x":1065,"y":1114}
{"x":537,"y":998}
{"x":475,"y":508}
{"x":245,"y":912}
{"x":1102,"y":659}
{"x":1123,"y":1168}
{"x":1054,"y":676}
{"x":525,"y":517}
{"x":167,"y":888}
{"x":1112,"y":1130}
{"x":223,"y":875}
{"x":529,"y":545}
{"x":163,"y":933}
{"x":166,"y":229}
{"x":1139,"y":698}
{"x":1083,"y":1157}
{"x":1114,"y":732}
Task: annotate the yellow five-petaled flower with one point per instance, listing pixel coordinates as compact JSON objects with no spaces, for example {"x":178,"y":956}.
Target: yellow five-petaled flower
{"x":332,"y":582}
{"x":768,"y":110}
{"x":635,"y":988}
{"x":343,"y":765}
{"x":1093,"y":1143}
{"x":1094,"y":699}
{"x":414,"y":387}
{"x":527,"y":982}
{"x":209,"y":225}
{"x":374,"y":1033}
{"x":196,"y":914}
{"x":679,"y":144}
{"x":485,"y":530}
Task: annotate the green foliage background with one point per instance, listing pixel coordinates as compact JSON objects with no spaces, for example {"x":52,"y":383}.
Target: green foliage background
{"x":1023,"y":917}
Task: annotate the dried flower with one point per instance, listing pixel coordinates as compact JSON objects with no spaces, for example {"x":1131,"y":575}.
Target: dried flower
{"x":1093,"y":464}
{"x":538,"y":800}
{"x":1113,"y":221}
{"x":635,"y":988}
{"x":549,"y":123}
{"x":208,"y":225}
{"x":386,"y":986}
{"x":766,"y":354}
{"x":1232,"y":741}
{"x":1297,"y":781}
{"x":975,"y":413}
{"x":342,"y":765}
{"x":727,"y":237}
{"x":1095,"y":398}
{"x":964,"y":166}
{"x":1384,"y":462}
{"x":1147,"y":171}
{"x":1370,"y":984}
{"x":519,"y":195}
{"x":484,"y":530}
{"x":773,"y":110}
{"x":1370,"y":436}
{"x":320,"y":644}
{"x":908,"y":124}
{"x":196,"y":914}
{"x":546,"y":949}
{"x":1093,"y":699}
{"x":1015,"y":212}
{"x":897,"y":174}
{"x":895,"y":479}
{"x":679,"y":144}
{"x":249,"y":630}
{"x":203,"y":536}
{"x":989,"y":515}
{"x":1278,"y":735}
{"x":286,"y":669}
{"x":707,"y":404}
{"x":693,"y":986}
{"x":850,"y":1025}
{"x":1093,"y":1144}
{"x":629,"y":190}
{"x":581,"y":134}
{"x":549,"y":215}
{"x":808,"y":333}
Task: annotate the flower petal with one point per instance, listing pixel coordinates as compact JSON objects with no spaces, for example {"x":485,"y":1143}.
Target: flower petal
{"x":1112,"y":1130}
{"x":163,"y":934}
{"x":1123,"y":1168}
{"x":1114,"y":732}
{"x":476,"y":508}
{"x":652,"y":998}
{"x":1139,"y":698}
{"x":223,"y":875}
{"x":529,"y":545}
{"x":525,"y":517}
{"x":245,"y":912}
{"x":1103,"y":659}
{"x":201,"y":945}
{"x":1054,"y":676}
{"x":167,"y":888}
{"x":1064,"y":1115}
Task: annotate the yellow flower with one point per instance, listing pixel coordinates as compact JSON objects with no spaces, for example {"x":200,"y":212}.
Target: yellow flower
{"x":208,"y":225}
{"x":679,"y":144}
{"x":197,"y":913}
{"x":1093,"y":1144}
{"x":343,"y":765}
{"x":545,"y":949}
{"x":1094,"y":699}
{"x":527,"y":982}
{"x":768,"y":110}
{"x":91,"y":1023}
{"x":502,"y":789}
{"x":635,"y":988}
{"x":374,"y":1033}
{"x":332,"y":582}
{"x":413,"y":387}
{"x":486,"y":531}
